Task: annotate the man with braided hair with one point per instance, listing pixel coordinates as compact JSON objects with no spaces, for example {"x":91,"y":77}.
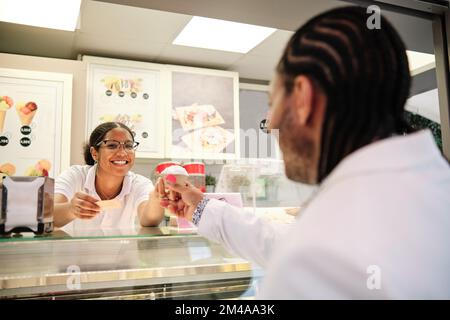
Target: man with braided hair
{"x":378,"y":227}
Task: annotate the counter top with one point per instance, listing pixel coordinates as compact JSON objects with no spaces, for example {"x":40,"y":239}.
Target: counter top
{"x":151,"y":256}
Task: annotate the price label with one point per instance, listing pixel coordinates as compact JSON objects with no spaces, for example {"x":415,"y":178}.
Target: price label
{"x":25,"y":142}
{"x":26,"y":130}
{"x":4,"y":141}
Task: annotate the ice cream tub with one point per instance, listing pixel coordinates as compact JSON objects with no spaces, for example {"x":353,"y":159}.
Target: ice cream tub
{"x":195,"y":167}
{"x":163,"y":165}
{"x":175,"y":174}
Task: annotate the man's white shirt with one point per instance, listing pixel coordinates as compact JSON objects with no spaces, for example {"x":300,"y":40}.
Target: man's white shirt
{"x":378,"y":228}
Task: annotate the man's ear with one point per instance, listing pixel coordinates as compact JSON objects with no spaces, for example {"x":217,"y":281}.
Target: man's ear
{"x":94,"y":153}
{"x":303,"y":99}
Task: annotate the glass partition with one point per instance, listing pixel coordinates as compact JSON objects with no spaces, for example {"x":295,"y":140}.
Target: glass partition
{"x":133,"y":268}
{"x":101,"y":233}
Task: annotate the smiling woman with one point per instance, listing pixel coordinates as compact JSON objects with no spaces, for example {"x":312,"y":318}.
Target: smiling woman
{"x":104,"y":193}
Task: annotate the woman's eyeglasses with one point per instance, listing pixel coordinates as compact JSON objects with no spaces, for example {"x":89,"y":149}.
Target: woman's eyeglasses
{"x":113,"y":145}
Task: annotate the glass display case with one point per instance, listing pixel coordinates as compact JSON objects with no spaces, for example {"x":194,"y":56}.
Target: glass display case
{"x":264,"y":187}
{"x":152,"y":263}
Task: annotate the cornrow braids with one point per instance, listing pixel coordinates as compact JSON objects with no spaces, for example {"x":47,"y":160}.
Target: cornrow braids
{"x":363,"y":72}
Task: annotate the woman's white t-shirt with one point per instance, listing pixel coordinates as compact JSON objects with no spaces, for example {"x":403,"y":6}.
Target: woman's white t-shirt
{"x":135,"y":190}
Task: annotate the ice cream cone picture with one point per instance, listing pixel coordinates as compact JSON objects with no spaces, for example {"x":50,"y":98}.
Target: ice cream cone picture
{"x":5,"y":104}
{"x":7,"y":169}
{"x":117,"y":85}
{"x":40,"y":169}
{"x":26,"y":112}
{"x":112,"y":83}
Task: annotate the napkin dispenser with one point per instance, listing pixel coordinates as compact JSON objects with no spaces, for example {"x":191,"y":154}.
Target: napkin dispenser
{"x":26,"y":205}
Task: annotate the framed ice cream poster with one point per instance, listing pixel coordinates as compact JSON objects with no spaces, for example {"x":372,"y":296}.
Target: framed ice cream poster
{"x":35,"y":122}
{"x":127,"y":92}
{"x":204,"y":115}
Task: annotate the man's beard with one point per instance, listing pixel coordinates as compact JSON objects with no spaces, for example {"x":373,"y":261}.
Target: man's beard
{"x":298,"y":151}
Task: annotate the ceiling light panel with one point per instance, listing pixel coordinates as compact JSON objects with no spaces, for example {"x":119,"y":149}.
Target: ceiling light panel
{"x":53,"y":14}
{"x":222,"y":35}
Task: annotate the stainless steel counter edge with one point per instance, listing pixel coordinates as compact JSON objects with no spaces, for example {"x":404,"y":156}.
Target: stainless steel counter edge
{"x":90,"y":277}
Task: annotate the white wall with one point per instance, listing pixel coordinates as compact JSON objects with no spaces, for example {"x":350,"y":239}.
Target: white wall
{"x":78,"y":70}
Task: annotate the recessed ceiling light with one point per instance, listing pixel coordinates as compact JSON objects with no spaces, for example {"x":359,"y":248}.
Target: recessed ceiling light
{"x":420,"y":62}
{"x":222,"y":35}
{"x":53,"y":14}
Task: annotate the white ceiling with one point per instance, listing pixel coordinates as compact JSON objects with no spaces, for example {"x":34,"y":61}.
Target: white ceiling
{"x":135,"y":33}
{"x":148,"y":34}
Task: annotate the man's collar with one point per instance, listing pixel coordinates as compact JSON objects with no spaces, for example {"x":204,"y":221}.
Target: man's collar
{"x":398,"y":152}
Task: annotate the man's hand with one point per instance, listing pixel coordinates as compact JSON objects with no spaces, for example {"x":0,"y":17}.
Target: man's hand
{"x":181,"y":200}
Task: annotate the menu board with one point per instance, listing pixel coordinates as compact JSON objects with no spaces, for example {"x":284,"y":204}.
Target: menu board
{"x":256,"y":141}
{"x":174,"y":111}
{"x":127,"y":92}
{"x":205,"y":116}
{"x":35,"y":112}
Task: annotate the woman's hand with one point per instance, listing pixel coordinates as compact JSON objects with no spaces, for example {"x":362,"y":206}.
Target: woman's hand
{"x":181,"y":200}
{"x":84,"y":206}
{"x":150,"y":212}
